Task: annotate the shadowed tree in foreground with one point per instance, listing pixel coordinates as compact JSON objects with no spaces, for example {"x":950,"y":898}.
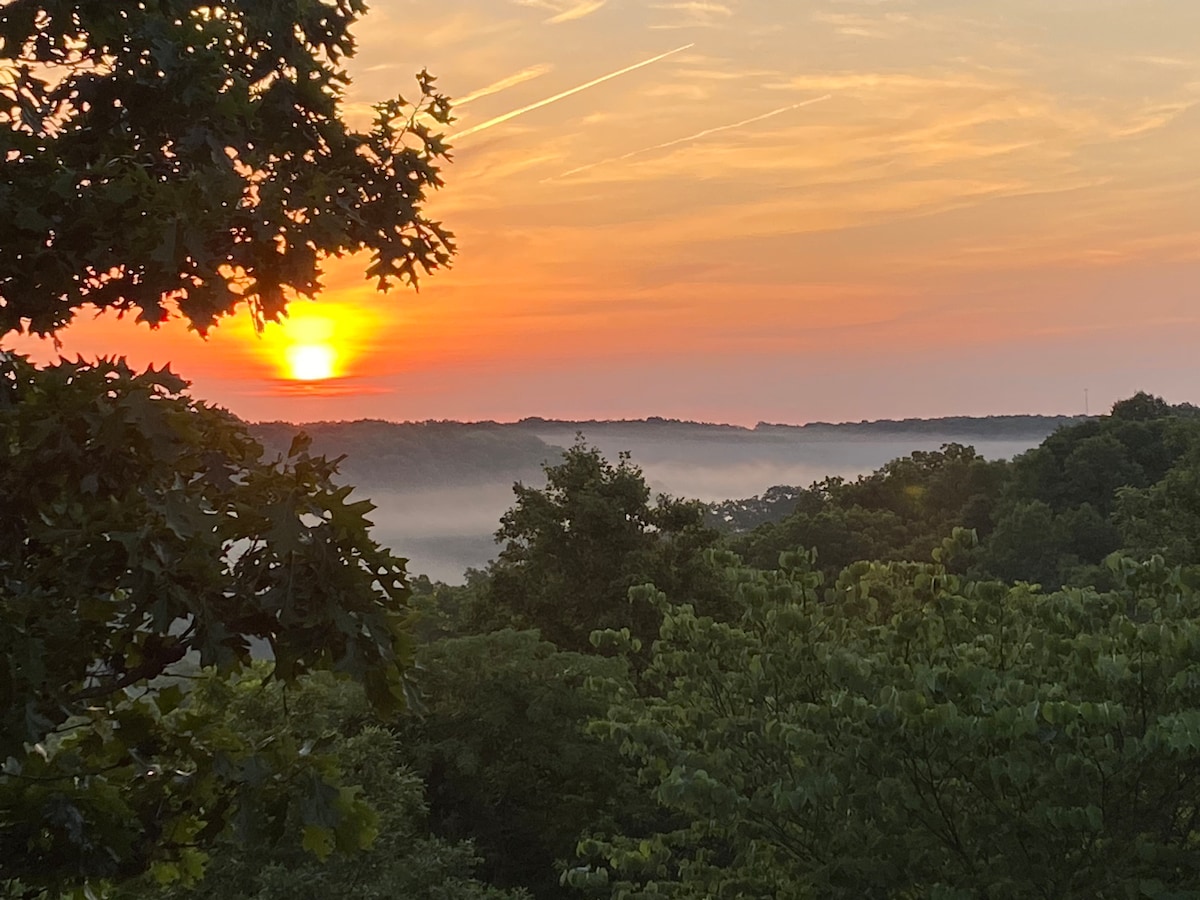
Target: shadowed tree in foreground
{"x":161,"y":157}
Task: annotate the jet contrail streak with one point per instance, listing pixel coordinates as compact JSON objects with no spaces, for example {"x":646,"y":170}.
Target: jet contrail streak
{"x":502,"y":85}
{"x":575,"y":90}
{"x":691,"y":137}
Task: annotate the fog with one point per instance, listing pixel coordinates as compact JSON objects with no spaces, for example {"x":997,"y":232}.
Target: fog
{"x":443,"y":531}
{"x":742,"y":464}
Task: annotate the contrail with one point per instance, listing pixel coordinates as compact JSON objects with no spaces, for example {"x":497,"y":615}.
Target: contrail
{"x":502,"y":85}
{"x":691,"y":137}
{"x":575,"y":90}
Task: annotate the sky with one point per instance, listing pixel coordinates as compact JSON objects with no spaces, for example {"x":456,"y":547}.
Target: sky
{"x":761,"y":210}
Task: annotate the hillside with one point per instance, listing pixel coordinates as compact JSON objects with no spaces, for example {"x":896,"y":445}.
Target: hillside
{"x":441,"y":487}
{"x":412,"y":455}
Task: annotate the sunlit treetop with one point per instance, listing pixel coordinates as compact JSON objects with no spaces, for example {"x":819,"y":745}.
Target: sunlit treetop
{"x":177,"y":155}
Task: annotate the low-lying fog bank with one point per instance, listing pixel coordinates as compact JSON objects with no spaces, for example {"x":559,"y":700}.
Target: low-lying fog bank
{"x":443,"y":530}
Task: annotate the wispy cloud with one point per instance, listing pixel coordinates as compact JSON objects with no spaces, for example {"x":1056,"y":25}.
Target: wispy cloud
{"x":694,"y":14}
{"x":1165,"y":62}
{"x":856,"y":25}
{"x":564,"y":10}
{"x":913,"y":83}
{"x":1154,"y":117}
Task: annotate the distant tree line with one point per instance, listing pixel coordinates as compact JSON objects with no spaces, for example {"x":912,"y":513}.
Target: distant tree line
{"x":1049,"y":516}
{"x":377,"y":454}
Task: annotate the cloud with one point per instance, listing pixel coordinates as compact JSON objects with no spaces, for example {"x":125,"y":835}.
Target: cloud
{"x":1154,"y":117}
{"x":330,"y":387}
{"x":1164,"y":62}
{"x":694,"y":14}
{"x":855,"y":25}
{"x":564,"y":10}
{"x":918,"y":85}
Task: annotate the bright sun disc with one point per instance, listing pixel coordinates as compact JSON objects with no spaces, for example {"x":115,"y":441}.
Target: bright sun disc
{"x":315,"y":342}
{"x":311,"y":362}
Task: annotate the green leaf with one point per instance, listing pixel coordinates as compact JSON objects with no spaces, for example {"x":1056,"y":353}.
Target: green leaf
{"x":318,"y":840}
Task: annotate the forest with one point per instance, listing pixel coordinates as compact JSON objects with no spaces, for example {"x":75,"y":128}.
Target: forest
{"x":952,"y":677}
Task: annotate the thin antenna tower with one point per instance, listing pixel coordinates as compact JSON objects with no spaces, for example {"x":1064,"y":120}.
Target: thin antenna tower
{"x":1086,"y":411}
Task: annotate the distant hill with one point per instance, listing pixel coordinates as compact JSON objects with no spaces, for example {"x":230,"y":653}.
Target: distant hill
{"x":992,"y":427}
{"x":441,"y":487}
{"x":411,"y":455}
{"x":988,"y":427}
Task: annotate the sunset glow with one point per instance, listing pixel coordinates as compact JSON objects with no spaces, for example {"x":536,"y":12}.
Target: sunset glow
{"x":304,"y":343}
{"x":779,"y":211}
{"x":316,"y":342}
{"x":311,"y":362}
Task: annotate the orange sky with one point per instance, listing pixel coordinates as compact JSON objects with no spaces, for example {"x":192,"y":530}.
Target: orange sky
{"x":820,"y":209}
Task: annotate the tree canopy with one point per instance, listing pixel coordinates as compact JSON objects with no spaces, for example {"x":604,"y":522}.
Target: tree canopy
{"x":162,"y":158}
{"x":143,"y":536}
{"x":194,"y":155}
{"x":913,"y":734}
{"x":571,"y":550}
{"x":404,"y":860}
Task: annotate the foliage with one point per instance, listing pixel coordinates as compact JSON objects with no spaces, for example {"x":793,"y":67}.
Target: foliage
{"x":142,"y":535}
{"x":900,"y":511}
{"x":159,"y":156}
{"x":773,"y":505}
{"x":922,"y":736}
{"x":331,"y":718}
{"x":1050,"y":516}
{"x":501,"y":747}
{"x":573,"y":549}
{"x":445,"y":610}
{"x":188,"y":154}
{"x":1164,"y":518}
{"x":842,"y":536}
{"x":1057,"y":516}
{"x":1089,"y":462}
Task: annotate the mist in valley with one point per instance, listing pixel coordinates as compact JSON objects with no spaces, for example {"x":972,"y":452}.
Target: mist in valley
{"x":444,"y":530}
{"x":441,"y":531}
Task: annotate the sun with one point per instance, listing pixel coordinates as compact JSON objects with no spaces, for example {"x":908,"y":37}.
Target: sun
{"x":308,"y":345}
{"x":319,"y":341}
{"x":311,"y":362}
